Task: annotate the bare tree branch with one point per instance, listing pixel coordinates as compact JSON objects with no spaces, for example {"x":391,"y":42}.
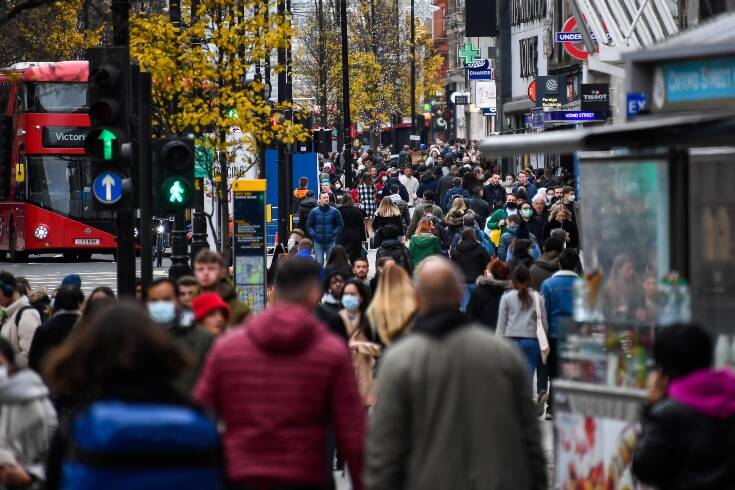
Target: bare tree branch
{"x":18,"y":9}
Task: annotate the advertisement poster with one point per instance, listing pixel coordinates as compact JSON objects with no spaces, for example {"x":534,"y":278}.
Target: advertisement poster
{"x":594,"y":453}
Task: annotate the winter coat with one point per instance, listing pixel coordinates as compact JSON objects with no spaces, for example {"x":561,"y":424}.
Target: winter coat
{"x":688,"y":439}
{"x":445,"y":183}
{"x":472,"y":258}
{"x":324,"y":224}
{"x":423,"y":245}
{"x":20,"y":334}
{"x":380,"y":222}
{"x":536,"y":225}
{"x":433,"y":430}
{"x":453,"y":221}
{"x":427,"y":184}
{"x":515,"y":319}
{"x":494,"y":220}
{"x":27,"y":421}
{"x":531,"y":189}
{"x":419,"y":212}
{"x":195,"y":342}
{"x":353,"y":233}
{"x":403,"y":208}
{"x":543,"y":268}
{"x":522,"y":258}
{"x":402,"y":191}
{"x":451,"y":194}
{"x":238,"y":309}
{"x":506,"y":240}
{"x":558,"y":292}
{"x":308,"y":377}
{"x":481,"y":210}
{"x":305,"y":207}
{"x":364,"y":352}
{"x":568,"y":226}
{"x":395,"y":249}
{"x":50,"y":335}
{"x":411,"y":185}
{"x":494,"y":195}
{"x":484,"y":303}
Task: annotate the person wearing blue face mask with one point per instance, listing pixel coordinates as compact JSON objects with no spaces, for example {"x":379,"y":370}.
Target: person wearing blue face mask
{"x":365,"y":348}
{"x":166,"y":311}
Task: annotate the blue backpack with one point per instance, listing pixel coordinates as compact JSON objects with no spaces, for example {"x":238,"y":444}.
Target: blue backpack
{"x":117,"y":445}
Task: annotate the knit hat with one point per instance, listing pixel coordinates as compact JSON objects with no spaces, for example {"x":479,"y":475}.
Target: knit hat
{"x":206,"y":303}
{"x":72,"y":280}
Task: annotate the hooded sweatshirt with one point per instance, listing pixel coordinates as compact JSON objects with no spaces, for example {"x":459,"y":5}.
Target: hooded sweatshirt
{"x":274,"y":383}
{"x":423,"y":245}
{"x":27,"y":421}
{"x":688,"y":439}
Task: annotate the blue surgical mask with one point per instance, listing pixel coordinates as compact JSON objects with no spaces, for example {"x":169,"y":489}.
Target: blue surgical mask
{"x":350,"y":302}
{"x":162,"y":311}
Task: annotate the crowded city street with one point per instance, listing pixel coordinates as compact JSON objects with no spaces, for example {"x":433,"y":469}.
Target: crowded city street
{"x":367,"y":244}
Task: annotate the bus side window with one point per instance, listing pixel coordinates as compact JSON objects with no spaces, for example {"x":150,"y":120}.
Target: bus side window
{"x":4,"y":97}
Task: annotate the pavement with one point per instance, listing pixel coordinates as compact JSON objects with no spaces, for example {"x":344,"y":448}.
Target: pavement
{"x":48,"y":271}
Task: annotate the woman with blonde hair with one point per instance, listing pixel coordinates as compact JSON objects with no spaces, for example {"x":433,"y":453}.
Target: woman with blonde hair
{"x":387,"y":214}
{"x":560,"y":217}
{"x":454,"y":220}
{"x":393,"y":308}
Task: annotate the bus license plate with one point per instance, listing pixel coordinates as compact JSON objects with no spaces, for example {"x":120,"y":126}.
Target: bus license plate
{"x":86,"y":241}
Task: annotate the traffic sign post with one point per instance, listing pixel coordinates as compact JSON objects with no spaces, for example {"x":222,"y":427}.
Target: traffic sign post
{"x":108,"y":187}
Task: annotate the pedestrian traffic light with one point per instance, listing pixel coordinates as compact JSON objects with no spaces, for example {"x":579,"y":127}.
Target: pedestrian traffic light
{"x":174,"y":173}
{"x":108,"y":143}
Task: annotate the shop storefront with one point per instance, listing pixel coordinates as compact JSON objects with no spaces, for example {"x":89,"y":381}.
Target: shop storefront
{"x":657,"y":224}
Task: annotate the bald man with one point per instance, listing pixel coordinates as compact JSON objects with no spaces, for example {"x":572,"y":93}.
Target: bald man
{"x":454,"y":403}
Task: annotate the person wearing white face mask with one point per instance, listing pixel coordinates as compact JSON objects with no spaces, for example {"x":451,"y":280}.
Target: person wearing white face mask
{"x":364,"y":346}
{"x":164,"y":308}
{"x":27,"y":423}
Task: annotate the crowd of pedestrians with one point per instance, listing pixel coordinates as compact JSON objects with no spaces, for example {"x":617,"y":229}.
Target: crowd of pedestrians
{"x":418,"y":374}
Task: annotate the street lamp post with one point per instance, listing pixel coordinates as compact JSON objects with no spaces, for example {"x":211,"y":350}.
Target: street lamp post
{"x":346,"y":120}
{"x":413,"y":70}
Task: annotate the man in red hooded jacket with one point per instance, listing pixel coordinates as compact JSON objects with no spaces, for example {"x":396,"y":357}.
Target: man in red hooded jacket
{"x":276,"y":383}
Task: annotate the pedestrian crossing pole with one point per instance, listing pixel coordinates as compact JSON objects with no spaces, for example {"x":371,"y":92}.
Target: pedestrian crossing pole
{"x":346,"y":119}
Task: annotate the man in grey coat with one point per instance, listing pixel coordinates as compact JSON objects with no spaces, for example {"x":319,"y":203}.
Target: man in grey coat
{"x":453,"y":408}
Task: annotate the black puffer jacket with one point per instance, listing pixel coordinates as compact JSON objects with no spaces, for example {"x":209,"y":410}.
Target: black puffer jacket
{"x":394,"y":248}
{"x":472,"y":258}
{"x":485,"y":301}
{"x":305,"y":207}
{"x":689,"y":443}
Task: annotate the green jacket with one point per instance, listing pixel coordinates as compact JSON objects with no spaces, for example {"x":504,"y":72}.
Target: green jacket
{"x":238,"y":309}
{"x":494,"y":219}
{"x":195,"y":343}
{"x":423,"y":245}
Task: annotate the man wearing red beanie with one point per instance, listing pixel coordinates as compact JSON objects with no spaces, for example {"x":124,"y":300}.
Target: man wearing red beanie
{"x":278,"y":384}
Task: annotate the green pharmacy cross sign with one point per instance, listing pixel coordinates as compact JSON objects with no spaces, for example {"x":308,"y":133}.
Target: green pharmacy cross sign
{"x":468,"y":53}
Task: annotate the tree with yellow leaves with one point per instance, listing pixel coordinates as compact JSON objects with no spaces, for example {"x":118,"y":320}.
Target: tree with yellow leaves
{"x":48,"y":31}
{"x":203,"y":79}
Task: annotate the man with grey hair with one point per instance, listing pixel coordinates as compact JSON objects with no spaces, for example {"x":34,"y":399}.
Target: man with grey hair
{"x":453,"y":408}
{"x":540,"y":216}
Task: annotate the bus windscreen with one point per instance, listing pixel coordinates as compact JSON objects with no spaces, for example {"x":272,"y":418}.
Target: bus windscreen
{"x":54,"y":97}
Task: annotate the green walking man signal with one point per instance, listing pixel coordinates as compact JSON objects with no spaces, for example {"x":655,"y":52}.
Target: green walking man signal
{"x":176,"y":192}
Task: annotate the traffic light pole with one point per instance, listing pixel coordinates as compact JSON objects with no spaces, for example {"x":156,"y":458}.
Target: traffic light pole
{"x":347,"y":127}
{"x":199,"y":222}
{"x":179,"y":248}
{"x":283,"y":182}
{"x":145,"y":179}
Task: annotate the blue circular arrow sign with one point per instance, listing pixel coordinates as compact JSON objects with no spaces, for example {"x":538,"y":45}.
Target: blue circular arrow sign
{"x":107,"y":187}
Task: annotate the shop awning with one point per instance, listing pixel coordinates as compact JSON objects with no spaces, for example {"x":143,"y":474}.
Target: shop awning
{"x":713,"y":128}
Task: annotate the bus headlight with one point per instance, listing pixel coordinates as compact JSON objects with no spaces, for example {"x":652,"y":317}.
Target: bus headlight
{"x":41,"y":232}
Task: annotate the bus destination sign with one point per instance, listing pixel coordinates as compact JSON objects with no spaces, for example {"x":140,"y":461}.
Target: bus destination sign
{"x":64,"y":137}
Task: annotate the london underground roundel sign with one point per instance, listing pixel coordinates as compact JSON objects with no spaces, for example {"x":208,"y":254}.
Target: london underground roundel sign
{"x":572,"y":40}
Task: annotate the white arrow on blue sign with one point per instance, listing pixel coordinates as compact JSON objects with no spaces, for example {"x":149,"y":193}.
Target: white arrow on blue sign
{"x":107,"y":187}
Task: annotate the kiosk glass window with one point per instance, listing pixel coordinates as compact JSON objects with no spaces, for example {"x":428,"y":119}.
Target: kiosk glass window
{"x":624,"y":226}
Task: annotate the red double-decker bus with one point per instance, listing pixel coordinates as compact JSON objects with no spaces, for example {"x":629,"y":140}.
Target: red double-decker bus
{"x":45,"y":179}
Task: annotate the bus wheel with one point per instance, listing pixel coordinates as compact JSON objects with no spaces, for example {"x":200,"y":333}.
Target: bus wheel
{"x":15,"y":255}
{"x":84,"y":256}
{"x":70,"y":257}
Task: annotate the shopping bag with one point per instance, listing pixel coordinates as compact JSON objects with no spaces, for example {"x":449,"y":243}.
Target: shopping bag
{"x":543,"y":340}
